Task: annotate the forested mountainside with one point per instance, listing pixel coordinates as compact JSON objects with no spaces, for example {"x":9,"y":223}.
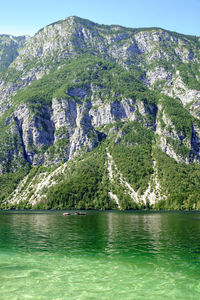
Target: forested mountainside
{"x":100,"y":117}
{"x":9,"y":48}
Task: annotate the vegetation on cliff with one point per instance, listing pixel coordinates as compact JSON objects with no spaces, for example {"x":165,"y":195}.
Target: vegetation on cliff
{"x":100,"y":117}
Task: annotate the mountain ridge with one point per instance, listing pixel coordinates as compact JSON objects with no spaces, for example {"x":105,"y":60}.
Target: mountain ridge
{"x":78,"y":87}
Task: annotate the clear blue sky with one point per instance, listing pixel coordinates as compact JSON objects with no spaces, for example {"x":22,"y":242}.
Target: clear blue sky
{"x":28,"y":16}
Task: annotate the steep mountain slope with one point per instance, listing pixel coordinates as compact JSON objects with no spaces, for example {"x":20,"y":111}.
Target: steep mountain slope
{"x":129,"y":97}
{"x":168,"y":60}
{"x":9,"y":49}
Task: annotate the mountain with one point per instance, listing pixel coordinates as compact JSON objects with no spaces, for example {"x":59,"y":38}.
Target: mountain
{"x":100,"y":117}
{"x":9,"y":49}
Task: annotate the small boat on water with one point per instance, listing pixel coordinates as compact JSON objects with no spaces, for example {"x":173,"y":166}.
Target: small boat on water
{"x":80,"y":213}
{"x":77,"y":213}
{"x":66,"y":214}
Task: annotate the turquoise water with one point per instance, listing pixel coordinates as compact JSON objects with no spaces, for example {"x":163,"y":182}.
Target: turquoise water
{"x":103,"y":255}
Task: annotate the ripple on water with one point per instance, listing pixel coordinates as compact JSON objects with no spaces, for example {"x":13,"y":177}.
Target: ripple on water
{"x":100,"y":256}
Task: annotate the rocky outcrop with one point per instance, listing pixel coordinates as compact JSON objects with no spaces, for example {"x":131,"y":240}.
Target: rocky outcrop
{"x":35,"y":132}
{"x":176,"y":88}
{"x":195,"y":144}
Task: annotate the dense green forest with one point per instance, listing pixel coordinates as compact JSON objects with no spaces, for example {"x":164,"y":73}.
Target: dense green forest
{"x":86,"y":185}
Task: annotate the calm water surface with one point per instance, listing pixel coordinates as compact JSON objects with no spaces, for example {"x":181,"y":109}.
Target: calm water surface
{"x":103,"y":255}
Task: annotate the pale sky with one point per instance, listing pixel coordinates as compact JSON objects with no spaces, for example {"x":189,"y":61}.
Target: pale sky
{"x":19,"y":17}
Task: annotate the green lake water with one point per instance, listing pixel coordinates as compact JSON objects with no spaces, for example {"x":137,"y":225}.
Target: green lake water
{"x":103,"y":255}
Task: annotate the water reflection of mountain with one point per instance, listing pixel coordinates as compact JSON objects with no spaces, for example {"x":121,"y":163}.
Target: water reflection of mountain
{"x":151,"y":233}
{"x":108,"y":233}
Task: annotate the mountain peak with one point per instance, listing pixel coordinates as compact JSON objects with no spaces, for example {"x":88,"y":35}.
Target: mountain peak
{"x":71,"y":20}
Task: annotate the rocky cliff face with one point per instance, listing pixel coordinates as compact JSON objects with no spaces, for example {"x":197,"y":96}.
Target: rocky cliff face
{"x":68,"y":86}
{"x":157,"y":52}
{"x":9,"y":49}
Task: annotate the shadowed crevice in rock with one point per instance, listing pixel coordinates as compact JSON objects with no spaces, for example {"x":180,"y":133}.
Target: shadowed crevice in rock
{"x":19,"y":127}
